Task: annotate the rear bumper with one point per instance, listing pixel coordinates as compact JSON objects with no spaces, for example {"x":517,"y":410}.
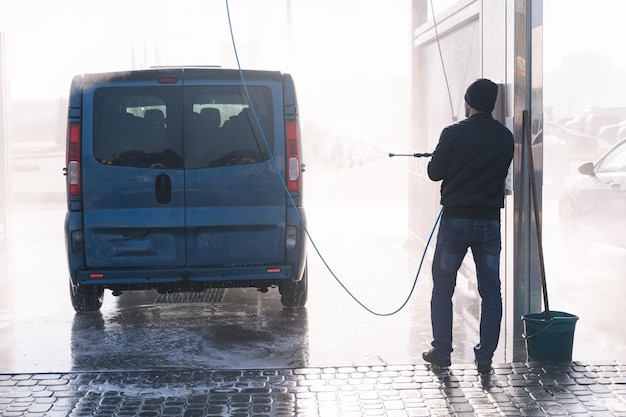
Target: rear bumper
{"x":230,"y":276}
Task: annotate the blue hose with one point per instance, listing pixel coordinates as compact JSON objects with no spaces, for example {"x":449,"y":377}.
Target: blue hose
{"x":292,"y":202}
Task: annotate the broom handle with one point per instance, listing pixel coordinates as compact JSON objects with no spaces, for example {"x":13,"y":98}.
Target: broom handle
{"x":533,"y":186}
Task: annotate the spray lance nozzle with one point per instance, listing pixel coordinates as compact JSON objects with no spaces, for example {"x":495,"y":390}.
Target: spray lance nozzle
{"x":414,"y":155}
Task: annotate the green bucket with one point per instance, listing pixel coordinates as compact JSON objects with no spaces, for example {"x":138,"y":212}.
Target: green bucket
{"x":549,"y":340}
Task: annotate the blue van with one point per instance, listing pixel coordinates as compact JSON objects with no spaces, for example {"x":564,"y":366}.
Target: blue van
{"x":178,"y":180}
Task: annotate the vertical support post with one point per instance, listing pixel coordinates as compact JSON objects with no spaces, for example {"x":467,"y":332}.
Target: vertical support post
{"x":528,"y":96}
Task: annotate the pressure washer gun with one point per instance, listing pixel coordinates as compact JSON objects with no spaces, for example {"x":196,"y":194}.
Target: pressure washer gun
{"x":414,"y":155}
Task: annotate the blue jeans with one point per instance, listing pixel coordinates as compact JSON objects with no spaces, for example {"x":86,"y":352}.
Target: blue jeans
{"x":454,"y":238}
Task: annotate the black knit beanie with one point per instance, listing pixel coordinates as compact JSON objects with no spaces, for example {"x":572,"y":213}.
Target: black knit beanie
{"x":481,"y":95}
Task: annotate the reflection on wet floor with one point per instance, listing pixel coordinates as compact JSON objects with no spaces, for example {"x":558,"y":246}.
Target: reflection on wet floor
{"x":139,"y":332}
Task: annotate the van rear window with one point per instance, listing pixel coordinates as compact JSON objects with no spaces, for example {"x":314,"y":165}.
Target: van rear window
{"x":221,"y":128}
{"x":154,"y":127}
{"x":138,"y":126}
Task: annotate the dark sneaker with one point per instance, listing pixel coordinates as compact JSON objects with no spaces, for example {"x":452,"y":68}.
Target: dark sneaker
{"x":483,"y":368}
{"x":433,"y":358}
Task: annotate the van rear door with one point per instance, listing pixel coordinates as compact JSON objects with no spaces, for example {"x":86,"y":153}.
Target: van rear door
{"x":132,"y":147}
{"x":235,"y":203}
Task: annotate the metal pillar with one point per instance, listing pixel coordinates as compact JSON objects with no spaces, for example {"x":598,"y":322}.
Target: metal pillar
{"x":528,"y":96}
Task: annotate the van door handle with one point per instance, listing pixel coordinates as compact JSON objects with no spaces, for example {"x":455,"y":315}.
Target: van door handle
{"x":163,"y":188}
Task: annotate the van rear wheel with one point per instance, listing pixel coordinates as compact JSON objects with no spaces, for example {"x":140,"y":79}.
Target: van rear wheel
{"x":295,"y":294}
{"x":86,"y":298}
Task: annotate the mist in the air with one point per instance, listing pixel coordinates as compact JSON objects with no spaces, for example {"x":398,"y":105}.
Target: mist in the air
{"x":351,"y":61}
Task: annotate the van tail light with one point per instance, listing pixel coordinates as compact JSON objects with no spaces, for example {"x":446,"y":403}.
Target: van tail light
{"x":73,"y":160}
{"x":292,"y":145}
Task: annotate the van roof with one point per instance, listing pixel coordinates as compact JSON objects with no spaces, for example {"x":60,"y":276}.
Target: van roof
{"x":190,"y":72}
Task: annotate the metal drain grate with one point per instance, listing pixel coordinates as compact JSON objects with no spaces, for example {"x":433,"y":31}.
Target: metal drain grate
{"x":211,"y":295}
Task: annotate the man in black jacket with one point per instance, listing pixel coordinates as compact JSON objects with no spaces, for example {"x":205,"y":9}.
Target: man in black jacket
{"x":472,"y":158}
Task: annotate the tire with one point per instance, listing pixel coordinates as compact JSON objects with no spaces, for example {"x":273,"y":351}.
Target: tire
{"x":571,"y":235}
{"x":86,"y":299}
{"x":294,"y":294}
